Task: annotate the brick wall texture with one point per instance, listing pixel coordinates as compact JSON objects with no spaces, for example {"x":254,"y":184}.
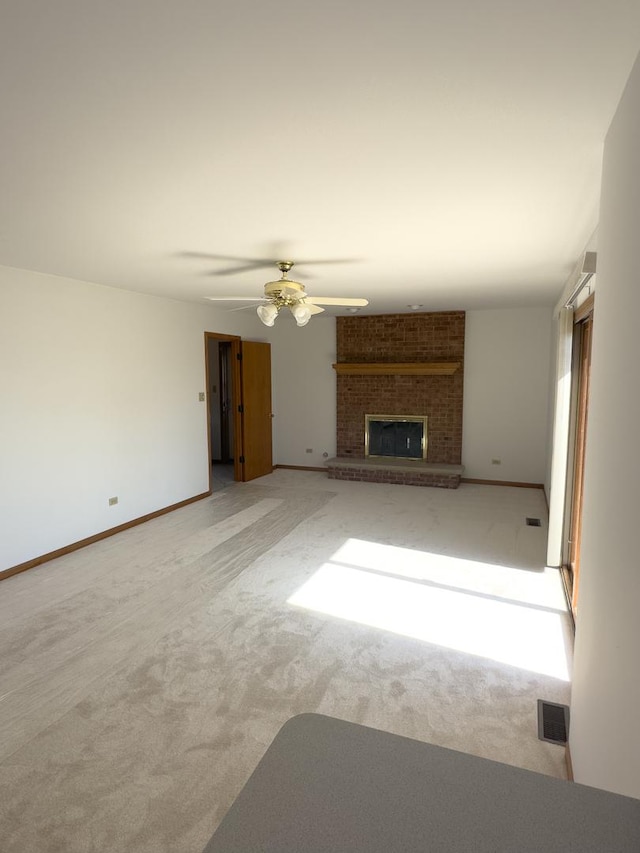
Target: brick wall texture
{"x":385,"y":338}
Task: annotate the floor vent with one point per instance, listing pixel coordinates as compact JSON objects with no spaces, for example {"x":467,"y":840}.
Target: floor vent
{"x":553,"y":722}
{"x":533,"y":522}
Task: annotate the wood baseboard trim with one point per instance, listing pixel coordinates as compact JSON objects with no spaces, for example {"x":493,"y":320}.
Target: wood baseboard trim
{"x":567,"y":755}
{"x":82,"y":543}
{"x":300,"y":468}
{"x":503,"y":483}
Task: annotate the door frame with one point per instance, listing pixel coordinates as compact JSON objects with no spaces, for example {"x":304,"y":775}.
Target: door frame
{"x":580,"y":369}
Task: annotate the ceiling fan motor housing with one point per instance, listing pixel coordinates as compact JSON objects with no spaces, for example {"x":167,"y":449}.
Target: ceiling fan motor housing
{"x":284,"y":287}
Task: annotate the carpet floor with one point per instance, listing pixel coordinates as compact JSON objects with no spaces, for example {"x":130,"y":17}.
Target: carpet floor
{"x":143,"y":677}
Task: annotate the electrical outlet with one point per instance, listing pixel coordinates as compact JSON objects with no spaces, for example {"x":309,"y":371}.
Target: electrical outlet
{"x":113,"y":501}
{"x":309,"y":450}
{"x":496,"y":461}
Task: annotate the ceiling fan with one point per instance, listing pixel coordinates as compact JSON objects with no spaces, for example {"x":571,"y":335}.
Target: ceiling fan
{"x":290,"y":294}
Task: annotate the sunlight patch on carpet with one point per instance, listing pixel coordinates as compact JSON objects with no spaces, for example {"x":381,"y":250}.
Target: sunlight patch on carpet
{"x":404,"y":597}
{"x":541,"y":587}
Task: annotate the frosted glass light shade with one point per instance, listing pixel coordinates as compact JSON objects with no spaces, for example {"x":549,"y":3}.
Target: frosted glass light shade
{"x":267,"y":314}
{"x":302,"y":313}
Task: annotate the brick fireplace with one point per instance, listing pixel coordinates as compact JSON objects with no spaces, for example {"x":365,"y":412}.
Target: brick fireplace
{"x":402,"y":365}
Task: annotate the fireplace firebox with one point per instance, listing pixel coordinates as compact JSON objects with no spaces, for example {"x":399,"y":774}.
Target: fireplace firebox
{"x":396,"y":436}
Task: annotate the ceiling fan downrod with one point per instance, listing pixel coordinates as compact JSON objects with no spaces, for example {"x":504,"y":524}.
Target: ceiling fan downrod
{"x":284,"y":267}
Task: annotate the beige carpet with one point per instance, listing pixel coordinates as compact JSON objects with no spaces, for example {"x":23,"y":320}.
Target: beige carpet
{"x":142,"y":678}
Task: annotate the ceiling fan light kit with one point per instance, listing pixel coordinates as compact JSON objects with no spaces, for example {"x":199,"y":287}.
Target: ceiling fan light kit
{"x":285,"y":293}
{"x":267,"y":314}
{"x":302,"y":313}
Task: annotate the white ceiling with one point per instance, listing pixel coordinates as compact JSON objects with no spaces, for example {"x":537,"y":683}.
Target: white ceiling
{"x":451,"y":149}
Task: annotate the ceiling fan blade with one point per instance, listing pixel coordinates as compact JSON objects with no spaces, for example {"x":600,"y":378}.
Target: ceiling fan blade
{"x":304,"y":263}
{"x":242,"y":308}
{"x":249,"y":264}
{"x":336,"y":300}
{"x":234,"y":270}
{"x":267,"y":262}
{"x":234,"y":298}
{"x":315,"y":309}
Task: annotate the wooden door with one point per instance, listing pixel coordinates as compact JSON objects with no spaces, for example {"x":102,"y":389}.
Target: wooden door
{"x":584,"y":333}
{"x":255,"y":409}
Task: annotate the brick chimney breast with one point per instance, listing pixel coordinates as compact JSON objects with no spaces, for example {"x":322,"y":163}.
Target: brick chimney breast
{"x":402,"y":339}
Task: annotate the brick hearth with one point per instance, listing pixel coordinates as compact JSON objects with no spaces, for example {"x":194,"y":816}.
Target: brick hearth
{"x":406,"y":472}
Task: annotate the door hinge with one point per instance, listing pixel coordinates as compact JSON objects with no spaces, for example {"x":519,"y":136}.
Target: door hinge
{"x":241,"y":408}
{"x":239,"y":356}
{"x":242,"y":460}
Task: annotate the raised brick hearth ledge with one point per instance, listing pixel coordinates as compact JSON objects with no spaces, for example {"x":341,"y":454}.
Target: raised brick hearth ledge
{"x":403,"y":472}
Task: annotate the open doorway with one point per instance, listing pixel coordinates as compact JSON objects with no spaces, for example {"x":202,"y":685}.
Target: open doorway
{"x":238,"y":377}
{"x":222,"y":399}
{"x":221,"y":406}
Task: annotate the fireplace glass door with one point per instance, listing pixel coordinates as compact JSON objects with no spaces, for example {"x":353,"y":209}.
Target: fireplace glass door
{"x":398,"y":437}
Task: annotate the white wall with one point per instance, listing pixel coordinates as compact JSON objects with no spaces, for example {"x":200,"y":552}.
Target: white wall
{"x":304,"y":391}
{"x":506,"y":394}
{"x":505,"y":402}
{"x":99,"y":398}
{"x":605,"y":705}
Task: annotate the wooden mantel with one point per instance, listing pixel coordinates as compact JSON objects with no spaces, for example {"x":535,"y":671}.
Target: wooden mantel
{"x":418,"y":368}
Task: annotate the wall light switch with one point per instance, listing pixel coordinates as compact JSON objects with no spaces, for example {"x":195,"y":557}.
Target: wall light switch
{"x":201,"y":396}
{"x":113,"y":501}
